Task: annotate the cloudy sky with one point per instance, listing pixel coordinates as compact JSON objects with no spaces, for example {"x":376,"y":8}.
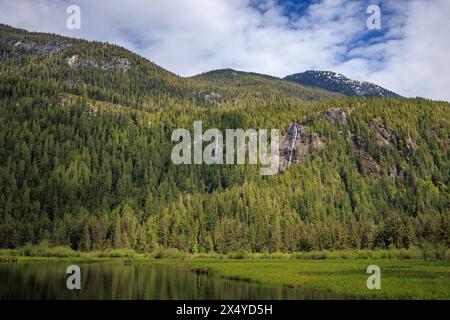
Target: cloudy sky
{"x":410,"y":54}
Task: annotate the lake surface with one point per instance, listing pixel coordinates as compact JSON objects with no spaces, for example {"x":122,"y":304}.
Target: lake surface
{"x":103,"y":280}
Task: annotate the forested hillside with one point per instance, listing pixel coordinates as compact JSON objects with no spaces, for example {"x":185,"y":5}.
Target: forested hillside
{"x":85,"y":143}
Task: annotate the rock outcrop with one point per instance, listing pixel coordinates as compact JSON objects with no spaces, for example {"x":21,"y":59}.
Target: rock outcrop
{"x":212,"y":97}
{"x":48,"y":48}
{"x":334,"y":115}
{"x":114,"y":63}
{"x":298,"y":145}
{"x":385,"y":136}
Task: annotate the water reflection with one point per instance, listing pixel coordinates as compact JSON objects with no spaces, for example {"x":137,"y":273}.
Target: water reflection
{"x":47,"y":280}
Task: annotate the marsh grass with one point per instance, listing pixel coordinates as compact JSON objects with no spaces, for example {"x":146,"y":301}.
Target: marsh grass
{"x":400,"y":279}
{"x":425,"y":252}
{"x":44,"y":250}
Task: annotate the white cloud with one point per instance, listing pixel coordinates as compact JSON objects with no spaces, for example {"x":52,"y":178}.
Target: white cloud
{"x":414,"y":56}
{"x":419,"y":64}
{"x":193,"y":36}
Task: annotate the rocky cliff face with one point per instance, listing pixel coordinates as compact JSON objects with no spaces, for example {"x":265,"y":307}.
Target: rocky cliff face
{"x":47,"y":48}
{"x":298,"y":145}
{"x":385,"y":136}
{"x":51,"y":48}
{"x":109,"y":65}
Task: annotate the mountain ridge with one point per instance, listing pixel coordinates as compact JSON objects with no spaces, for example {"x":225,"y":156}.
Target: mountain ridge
{"x":335,"y":82}
{"x":71,"y":50}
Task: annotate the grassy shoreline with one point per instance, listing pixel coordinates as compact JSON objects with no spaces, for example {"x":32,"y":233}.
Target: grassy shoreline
{"x":428,"y":253}
{"x":332,"y":272}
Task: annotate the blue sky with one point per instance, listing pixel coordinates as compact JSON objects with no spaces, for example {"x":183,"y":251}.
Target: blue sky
{"x":408,"y":55}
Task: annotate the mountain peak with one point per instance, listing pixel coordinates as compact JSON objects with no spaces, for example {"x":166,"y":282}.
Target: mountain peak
{"x":336,"y":82}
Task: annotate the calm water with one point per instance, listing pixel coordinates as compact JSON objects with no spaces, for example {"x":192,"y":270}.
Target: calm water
{"x":47,"y":280}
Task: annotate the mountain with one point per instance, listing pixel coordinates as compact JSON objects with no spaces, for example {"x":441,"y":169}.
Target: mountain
{"x":246,"y":82}
{"x":78,"y":66}
{"x":86,"y":143}
{"x":99,"y":70}
{"x":338,"y":83}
